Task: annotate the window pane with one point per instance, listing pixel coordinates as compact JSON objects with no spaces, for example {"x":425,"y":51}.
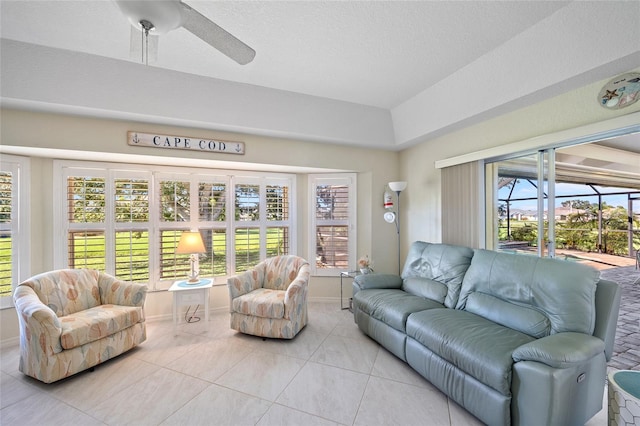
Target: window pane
{"x":332,"y":249}
{"x":247,"y":202}
{"x":214,"y":262}
{"x":5,"y":263}
{"x":132,"y":200}
{"x":277,"y":202}
{"x":247,"y":248}
{"x":5,"y":196}
{"x":212,"y":202}
{"x":174,"y":200}
{"x":86,"y":199}
{"x":6,"y":266}
{"x":332,"y":202}
{"x":133,"y":230}
{"x":87,"y":250}
{"x":132,"y":256}
{"x":277,"y":241}
{"x":172,"y":265}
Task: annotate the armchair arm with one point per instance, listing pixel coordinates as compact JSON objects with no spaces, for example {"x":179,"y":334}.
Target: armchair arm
{"x":116,"y":292}
{"x":296,"y":294}
{"x":560,"y":350}
{"x":40,"y":326}
{"x":245,"y":282}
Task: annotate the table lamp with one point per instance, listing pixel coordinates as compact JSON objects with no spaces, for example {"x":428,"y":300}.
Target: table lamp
{"x":191,"y":243}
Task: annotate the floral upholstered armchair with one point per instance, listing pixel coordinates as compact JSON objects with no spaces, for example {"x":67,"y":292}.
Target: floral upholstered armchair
{"x":270,"y":300}
{"x":74,"y":319}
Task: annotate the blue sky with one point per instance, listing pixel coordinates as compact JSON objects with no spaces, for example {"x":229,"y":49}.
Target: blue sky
{"x":525,"y":190}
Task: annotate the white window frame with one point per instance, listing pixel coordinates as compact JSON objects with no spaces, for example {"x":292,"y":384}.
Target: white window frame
{"x":113,"y":227}
{"x":314,"y":180}
{"x":214,"y":225}
{"x":289,"y":223}
{"x":262,"y":223}
{"x":20,"y":167}
{"x":111,"y":171}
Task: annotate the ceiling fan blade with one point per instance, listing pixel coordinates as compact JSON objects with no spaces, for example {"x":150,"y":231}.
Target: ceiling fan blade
{"x":216,"y":36}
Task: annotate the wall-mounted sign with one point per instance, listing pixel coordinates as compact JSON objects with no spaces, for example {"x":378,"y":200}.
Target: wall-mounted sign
{"x":185,"y":142}
{"x":620,"y":92}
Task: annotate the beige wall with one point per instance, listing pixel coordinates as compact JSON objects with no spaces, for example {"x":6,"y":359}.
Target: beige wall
{"x":422,"y":200}
{"x":100,"y":137}
{"x":421,"y":215}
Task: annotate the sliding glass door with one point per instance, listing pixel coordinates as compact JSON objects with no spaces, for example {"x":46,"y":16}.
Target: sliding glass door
{"x":554,"y":204}
{"x":523,"y":188}
{"x":634,"y":226}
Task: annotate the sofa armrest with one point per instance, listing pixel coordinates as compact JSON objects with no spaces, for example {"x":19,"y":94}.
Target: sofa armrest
{"x":367,"y":281}
{"x":608,"y":296}
{"x":560,"y":350}
{"x":116,"y":292}
{"x":40,"y":327}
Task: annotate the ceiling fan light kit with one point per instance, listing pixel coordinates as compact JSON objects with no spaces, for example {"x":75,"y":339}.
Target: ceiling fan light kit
{"x":164,"y":16}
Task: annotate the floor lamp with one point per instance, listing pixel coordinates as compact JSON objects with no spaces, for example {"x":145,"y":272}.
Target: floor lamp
{"x":398,"y":187}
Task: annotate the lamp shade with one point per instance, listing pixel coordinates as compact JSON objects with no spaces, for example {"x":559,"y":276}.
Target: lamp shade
{"x":397,"y":186}
{"x":190,"y":242}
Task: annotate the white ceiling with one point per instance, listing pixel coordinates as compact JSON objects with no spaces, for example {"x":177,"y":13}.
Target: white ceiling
{"x":371,"y":53}
{"x":363,"y":72}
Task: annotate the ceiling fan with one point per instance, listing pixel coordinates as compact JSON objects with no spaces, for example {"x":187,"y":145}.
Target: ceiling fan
{"x":164,"y":16}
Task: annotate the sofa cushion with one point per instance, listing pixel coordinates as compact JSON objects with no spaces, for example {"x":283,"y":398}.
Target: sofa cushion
{"x":475,"y":345}
{"x":263,"y":302}
{"x":96,"y":323}
{"x":425,"y":287}
{"x":521,"y":318}
{"x":562,"y":291}
{"x":443,"y":263}
{"x":392,"y":307}
{"x":67,"y":291}
{"x":280,"y":271}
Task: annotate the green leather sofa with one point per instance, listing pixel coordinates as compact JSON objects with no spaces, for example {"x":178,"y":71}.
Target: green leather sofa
{"x":512,"y":338}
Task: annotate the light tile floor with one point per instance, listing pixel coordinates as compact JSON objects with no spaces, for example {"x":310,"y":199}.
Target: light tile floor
{"x":329,"y":374}
{"x":626,"y":352}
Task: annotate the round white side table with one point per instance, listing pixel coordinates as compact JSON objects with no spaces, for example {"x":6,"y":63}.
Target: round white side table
{"x":624,"y":398}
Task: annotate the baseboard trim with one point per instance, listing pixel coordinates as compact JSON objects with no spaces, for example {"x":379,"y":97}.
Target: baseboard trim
{"x":169,"y":316}
{"x":12,"y":341}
